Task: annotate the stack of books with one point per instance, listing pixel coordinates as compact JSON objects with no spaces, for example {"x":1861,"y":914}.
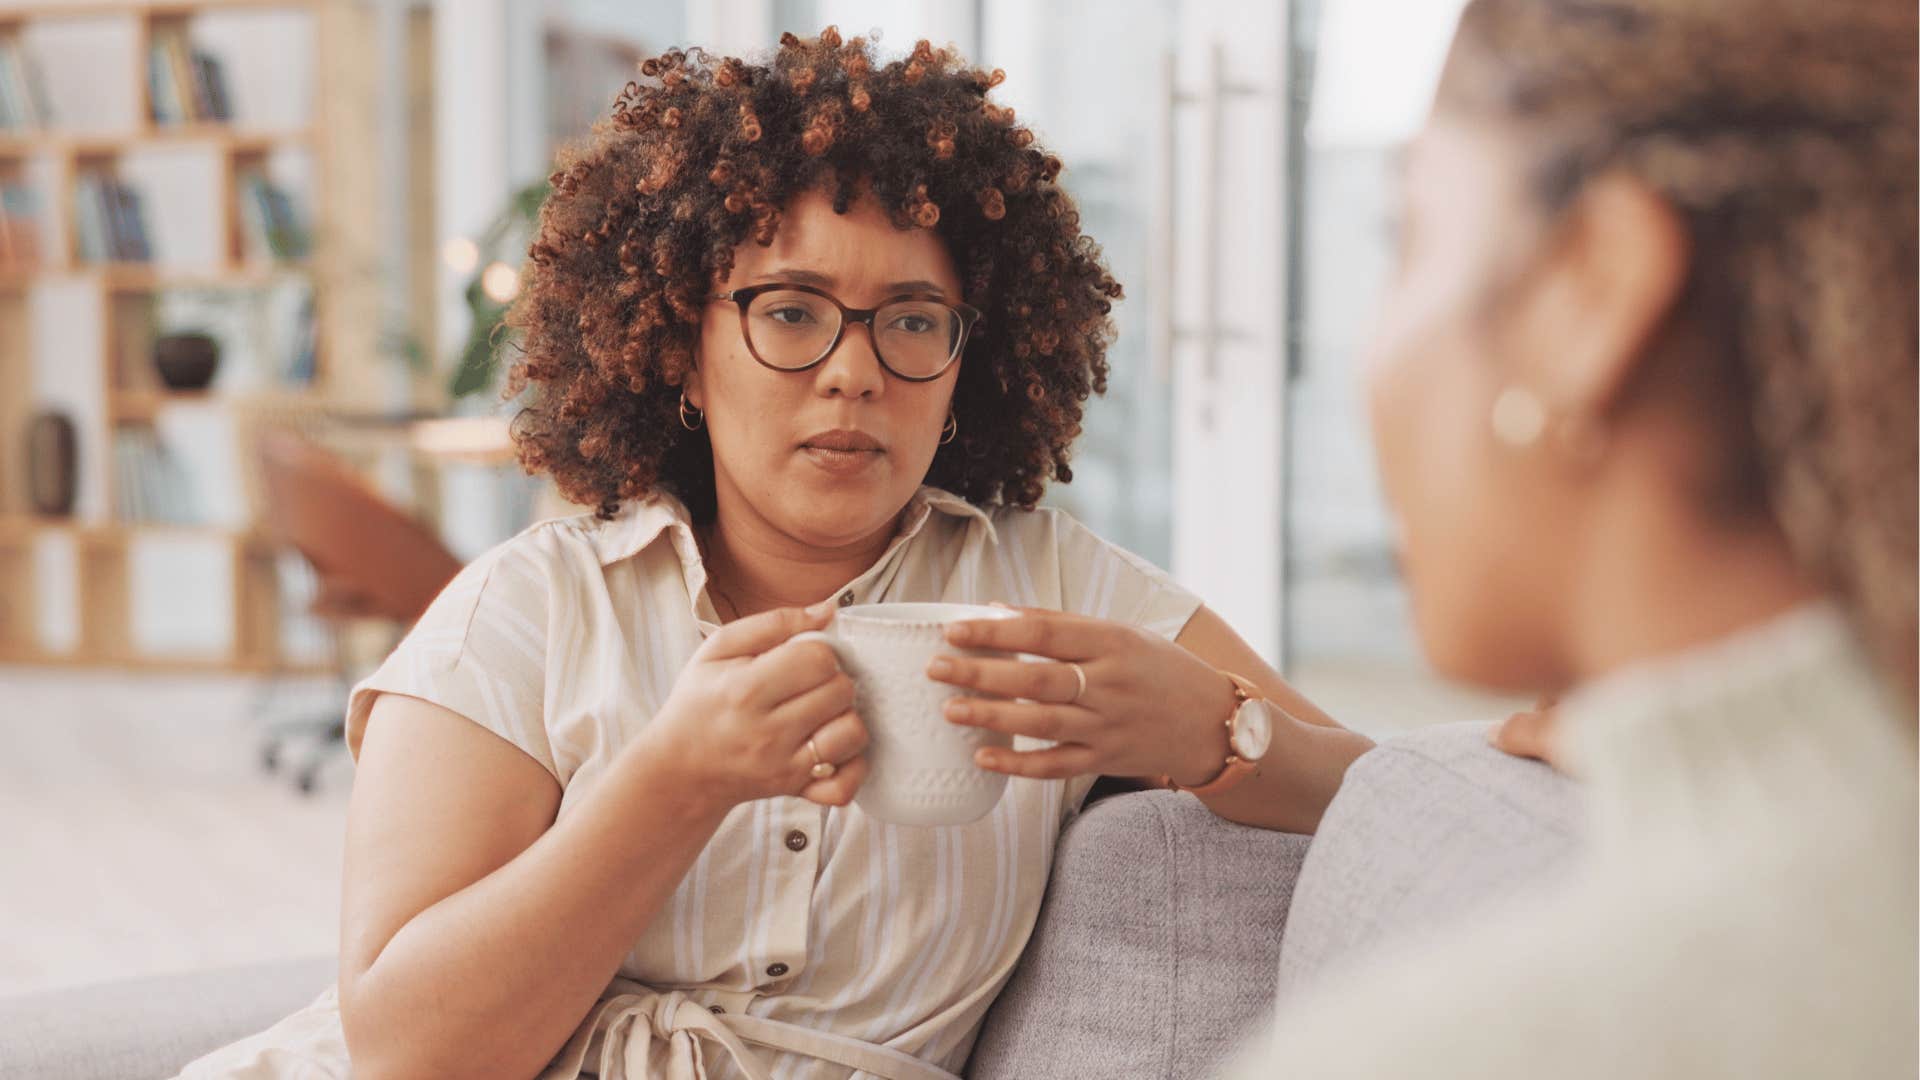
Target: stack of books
{"x":110,"y":224}
{"x":149,"y":482}
{"x":23,"y":95}
{"x":273,"y":228}
{"x":184,"y":85}
{"x":19,"y":227}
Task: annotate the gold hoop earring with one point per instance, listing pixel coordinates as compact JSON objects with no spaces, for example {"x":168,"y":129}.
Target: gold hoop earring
{"x":691,"y":417}
{"x":951,"y":430}
{"x":1518,"y":417}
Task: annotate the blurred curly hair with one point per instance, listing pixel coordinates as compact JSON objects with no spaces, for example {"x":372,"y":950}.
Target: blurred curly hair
{"x":700,"y":156}
{"x":1783,"y":133}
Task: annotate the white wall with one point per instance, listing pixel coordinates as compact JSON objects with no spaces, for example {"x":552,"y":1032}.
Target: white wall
{"x":737,"y":27}
{"x":900,"y":22}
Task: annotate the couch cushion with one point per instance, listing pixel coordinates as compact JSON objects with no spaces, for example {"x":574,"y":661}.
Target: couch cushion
{"x":150,"y":1027}
{"x":1426,"y":827}
{"x":1155,"y":951}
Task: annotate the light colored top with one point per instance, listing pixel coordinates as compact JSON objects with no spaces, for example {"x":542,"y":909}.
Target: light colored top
{"x":1747,"y":908}
{"x":566,"y":640}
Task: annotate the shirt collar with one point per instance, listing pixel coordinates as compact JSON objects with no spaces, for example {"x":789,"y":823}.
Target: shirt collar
{"x":639,"y":523}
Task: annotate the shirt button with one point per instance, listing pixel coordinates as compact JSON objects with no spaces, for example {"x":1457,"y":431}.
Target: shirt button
{"x":775,"y":971}
{"x":846,"y":598}
{"x":716,"y":1010}
{"x":796,"y":841}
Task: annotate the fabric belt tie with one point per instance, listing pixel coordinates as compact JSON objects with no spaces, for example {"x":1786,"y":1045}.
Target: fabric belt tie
{"x":638,"y":1033}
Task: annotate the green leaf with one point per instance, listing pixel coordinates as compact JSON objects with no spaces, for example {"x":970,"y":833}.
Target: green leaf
{"x":479,"y":363}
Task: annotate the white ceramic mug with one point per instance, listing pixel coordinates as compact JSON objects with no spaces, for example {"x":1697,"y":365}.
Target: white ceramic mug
{"x":922,"y":770}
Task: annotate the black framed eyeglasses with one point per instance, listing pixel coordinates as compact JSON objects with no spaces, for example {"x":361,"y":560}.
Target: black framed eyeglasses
{"x":917,"y":336}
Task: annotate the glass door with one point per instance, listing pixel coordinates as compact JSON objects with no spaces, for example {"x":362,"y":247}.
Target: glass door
{"x":1087,"y":77}
{"x":1363,"y":94}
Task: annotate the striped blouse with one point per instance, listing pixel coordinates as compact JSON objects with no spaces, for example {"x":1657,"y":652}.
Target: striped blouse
{"x":566,"y":640}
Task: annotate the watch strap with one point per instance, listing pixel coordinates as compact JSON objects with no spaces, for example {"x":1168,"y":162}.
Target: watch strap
{"x":1236,"y":768}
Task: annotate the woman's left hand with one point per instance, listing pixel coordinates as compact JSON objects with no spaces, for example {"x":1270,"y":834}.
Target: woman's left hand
{"x":1149,"y":707}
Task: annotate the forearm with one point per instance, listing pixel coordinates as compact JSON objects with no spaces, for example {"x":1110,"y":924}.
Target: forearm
{"x":493,"y":979}
{"x":1290,"y":789}
{"x":1310,"y":751}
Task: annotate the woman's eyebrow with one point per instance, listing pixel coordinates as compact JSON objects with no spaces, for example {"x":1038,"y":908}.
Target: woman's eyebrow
{"x":917,"y":285}
{"x":795,"y":276}
{"x":798,"y":277}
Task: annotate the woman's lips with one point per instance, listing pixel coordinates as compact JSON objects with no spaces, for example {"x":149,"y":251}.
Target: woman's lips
{"x":842,"y":452}
{"x":842,"y":439}
{"x":841,"y":462}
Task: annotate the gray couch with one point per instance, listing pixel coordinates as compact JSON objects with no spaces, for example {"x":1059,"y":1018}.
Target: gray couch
{"x":1155,"y":955}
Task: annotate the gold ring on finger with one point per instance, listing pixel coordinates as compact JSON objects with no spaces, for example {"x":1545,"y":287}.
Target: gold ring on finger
{"x":1079,"y":673}
{"x":822,"y":769}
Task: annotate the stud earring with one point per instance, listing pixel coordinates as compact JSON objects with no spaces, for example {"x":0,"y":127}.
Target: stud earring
{"x":1518,"y":417}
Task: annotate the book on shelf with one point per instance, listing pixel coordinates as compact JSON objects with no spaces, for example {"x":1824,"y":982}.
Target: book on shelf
{"x":180,"y":70}
{"x":163,"y":93}
{"x":300,"y":364}
{"x":127,"y":467}
{"x":19,"y":226}
{"x":109,"y":220}
{"x":150,"y":484}
{"x":129,"y":226}
{"x":90,"y":222}
{"x":210,"y":88}
{"x":274,"y":230}
{"x":184,"y":85}
{"x":179,"y":64}
{"x":23,"y":91}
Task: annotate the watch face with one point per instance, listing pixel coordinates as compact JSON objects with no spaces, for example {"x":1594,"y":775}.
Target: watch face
{"x":1253,"y":729}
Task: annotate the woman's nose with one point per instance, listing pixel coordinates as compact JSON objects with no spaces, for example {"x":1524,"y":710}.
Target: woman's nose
{"x":853,"y":368}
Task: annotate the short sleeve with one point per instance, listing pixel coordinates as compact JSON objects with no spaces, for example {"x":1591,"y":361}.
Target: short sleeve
{"x":479,"y":651}
{"x":1107,"y":581}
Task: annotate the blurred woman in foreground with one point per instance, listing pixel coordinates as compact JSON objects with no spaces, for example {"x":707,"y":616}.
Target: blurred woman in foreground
{"x":1644,"y":398}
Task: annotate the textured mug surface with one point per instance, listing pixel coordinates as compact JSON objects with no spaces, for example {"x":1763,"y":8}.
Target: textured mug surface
{"x":922,"y":770}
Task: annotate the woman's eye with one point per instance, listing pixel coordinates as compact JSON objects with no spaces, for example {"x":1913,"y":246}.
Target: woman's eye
{"x":913,"y":324}
{"x":790,"y":316}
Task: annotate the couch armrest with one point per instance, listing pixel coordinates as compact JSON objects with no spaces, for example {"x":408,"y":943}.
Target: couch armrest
{"x":1426,"y":827}
{"x":1155,"y":950}
{"x":150,"y":1027}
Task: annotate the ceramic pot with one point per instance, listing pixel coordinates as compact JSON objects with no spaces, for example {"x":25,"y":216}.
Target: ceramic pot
{"x":53,"y":467}
{"x":186,"y":361}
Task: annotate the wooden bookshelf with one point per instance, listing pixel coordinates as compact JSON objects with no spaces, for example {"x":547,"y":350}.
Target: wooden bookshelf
{"x":336,"y":145}
{"x":214,"y":135}
{"x":161,"y":9}
{"x":142,"y":278}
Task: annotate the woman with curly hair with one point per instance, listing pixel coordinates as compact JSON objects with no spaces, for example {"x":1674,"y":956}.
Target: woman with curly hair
{"x":805,"y":333}
{"x":1644,"y":395}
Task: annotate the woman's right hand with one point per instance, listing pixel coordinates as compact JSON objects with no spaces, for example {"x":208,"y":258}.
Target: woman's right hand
{"x":739,"y":717}
{"x":1533,"y":734}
